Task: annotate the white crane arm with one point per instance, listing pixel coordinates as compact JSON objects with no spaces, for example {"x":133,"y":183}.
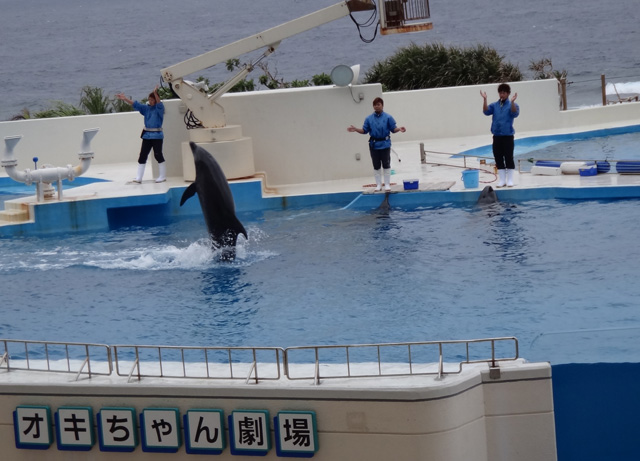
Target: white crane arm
{"x":261,"y":40}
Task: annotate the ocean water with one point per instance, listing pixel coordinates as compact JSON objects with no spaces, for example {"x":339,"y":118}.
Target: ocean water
{"x":50,"y":50}
{"x":558,"y":275}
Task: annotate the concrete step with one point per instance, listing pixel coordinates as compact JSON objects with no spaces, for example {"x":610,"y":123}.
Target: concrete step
{"x":14,"y":213}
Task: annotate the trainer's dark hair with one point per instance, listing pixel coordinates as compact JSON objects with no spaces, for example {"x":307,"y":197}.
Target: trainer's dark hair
{"x":504,"y":87}
{"x":378,"y":100}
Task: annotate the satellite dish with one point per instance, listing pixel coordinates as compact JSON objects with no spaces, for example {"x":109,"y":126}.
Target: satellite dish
{"x":342,"y":75}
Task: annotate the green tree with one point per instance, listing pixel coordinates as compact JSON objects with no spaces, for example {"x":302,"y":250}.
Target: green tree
{"x":94,"y":101}
{"x":435,"y":65}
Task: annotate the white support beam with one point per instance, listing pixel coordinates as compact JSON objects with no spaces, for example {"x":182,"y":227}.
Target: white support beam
{"x":255,"y":42}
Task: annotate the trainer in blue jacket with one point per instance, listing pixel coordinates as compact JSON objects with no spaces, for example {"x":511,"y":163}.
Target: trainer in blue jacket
{"x":152,"y":135}
{"x":503,"y":111}
{"x":379,"y":126}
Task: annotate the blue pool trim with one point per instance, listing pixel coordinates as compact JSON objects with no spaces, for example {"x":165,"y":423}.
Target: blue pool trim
{"x":157,"y":209}
{"x":525,"y":145}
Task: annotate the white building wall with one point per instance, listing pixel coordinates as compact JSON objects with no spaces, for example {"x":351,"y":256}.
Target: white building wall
{"x":300,"y":136}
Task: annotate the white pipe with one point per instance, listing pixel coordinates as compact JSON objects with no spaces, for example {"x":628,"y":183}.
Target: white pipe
{"x":48,"y":175}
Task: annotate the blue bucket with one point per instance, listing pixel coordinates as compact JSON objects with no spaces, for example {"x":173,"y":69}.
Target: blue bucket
{"x":471,"y":179}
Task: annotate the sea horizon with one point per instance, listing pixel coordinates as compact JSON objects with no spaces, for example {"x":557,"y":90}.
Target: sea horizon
{"x":51,"y":51}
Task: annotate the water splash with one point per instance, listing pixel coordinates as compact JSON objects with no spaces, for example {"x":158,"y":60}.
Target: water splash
{"x":147,"y":253}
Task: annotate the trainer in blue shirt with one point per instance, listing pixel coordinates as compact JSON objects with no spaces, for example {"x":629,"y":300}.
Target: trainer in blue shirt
{"x":379,"y":126}
{"x":152,"y":135}
{"x":503,"y":111}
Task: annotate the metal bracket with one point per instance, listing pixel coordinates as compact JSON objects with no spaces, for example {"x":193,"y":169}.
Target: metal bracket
{"x":494,"y":372}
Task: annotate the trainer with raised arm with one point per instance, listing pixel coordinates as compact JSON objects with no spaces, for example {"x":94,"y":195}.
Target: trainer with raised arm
{"x":379,"y":126}
{"x":504,"y":111}
{"x":152,"y":135}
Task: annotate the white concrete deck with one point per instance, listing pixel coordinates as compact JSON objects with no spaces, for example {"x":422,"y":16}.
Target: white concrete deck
{"x":440,"y":172}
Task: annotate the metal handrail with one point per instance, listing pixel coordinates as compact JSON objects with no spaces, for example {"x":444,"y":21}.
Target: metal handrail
{"x":248,"y":370}
{"x":30,"y":350}
{"x":413,"y":366}
{"x":193,"y":370}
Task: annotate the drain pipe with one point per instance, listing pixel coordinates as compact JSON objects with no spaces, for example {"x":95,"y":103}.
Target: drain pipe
{"x":43,"y":177}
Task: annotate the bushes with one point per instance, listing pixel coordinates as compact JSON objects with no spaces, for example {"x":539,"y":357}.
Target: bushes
{"x":434,"y":66}
{"x":92,"y":101}
{"x":59,"y":109}
{"x":411,"y":68}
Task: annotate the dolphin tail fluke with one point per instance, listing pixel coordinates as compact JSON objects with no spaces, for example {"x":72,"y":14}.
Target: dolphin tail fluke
{"x":188,"y":193}
{"x":238,"y":228}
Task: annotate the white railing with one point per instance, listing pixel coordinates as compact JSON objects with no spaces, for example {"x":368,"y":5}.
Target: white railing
{"x":60,"y":357}
{"x":437,"y":358}
{"x":255,"y":364}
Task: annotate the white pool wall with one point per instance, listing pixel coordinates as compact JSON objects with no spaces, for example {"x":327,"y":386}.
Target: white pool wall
{"x":472,"y":415}
{"x":299,"y":135}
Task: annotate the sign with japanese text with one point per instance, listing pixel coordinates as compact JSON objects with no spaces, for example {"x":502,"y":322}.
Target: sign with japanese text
{"x":32,"y":427}
{"x":74,"y":428}
{"x":160,"y":430}
{"x":117,"y":429}
{"x":249,"y":432}
{"x":204,"y":431}
{"x":296,"y":434}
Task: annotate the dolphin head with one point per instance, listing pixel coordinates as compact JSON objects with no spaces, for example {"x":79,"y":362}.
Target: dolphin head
{"x":488,"y":195}
{"x":199,"y":154}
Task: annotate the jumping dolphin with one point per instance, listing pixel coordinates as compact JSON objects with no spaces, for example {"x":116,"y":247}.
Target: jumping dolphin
{"x":216,"y":202}
{"x":487,"y":196}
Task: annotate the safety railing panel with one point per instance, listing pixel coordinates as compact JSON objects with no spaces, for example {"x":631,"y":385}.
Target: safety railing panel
{"x":250,"y":364}
{"x":399,"y":16}
{"x":62,"y":357}
{"x":395,"y":359}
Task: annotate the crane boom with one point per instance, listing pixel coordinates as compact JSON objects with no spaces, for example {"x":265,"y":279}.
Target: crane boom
{"x":263,"y":39}
{"x":396,"y":14}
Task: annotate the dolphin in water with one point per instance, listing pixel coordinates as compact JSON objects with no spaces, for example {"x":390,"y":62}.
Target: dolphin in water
{"x":487,"y":196}
{"x":216,"y":202}
{"x":384,"y":207}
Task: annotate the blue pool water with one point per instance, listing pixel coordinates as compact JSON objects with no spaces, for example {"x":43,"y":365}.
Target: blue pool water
{"x":610,"y":144}
{"x":560,"y":276}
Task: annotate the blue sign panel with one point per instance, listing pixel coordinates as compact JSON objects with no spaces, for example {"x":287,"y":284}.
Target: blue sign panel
{"x":249,"y":432}
{"x":117,"y":429}
{"x":74,"y":428}
{"x":160,"y":430}
{"x":32,"y":427}
{"x":296,"y":434}
{"x":204,"y":432}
